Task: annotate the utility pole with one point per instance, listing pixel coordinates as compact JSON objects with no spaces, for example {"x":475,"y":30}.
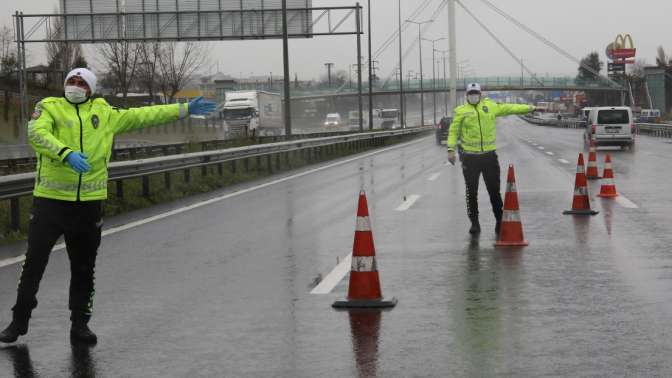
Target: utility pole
{"x":358,"y":22}
{"x":371,"y":70}
{"x":329,"y":66}
{"x":422,"y":88}
{"x":452,"y":51}
{"x":522,"y":73}
{"x":285,"y":58}
{"x":433,"y":41}
{"x":445,"y":82}
{"x":401,"y":79}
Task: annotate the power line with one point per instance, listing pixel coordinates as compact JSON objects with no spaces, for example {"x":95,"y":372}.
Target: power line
{"x":546,"y":41}
{"x":395,"y":34}
{"x":410,"y":49}
{"x":529,"y":72}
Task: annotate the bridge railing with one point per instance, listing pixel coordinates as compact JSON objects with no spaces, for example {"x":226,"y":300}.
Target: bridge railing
{"x":12,"y":187}
{"x":659,"y":130}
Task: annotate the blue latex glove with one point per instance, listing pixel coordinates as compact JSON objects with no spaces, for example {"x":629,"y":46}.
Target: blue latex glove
{"x":199,"y":106}
{"x":77,"y":161}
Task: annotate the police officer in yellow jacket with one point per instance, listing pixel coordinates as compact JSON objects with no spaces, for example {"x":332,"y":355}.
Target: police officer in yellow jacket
{"x":474,"y":127}
{"x":73,"y":137}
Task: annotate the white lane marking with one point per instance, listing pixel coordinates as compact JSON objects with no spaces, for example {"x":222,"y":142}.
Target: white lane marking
{"x":434,"y":177}
{"x":334,"y":277}
{"x":549,"y":153}
{"x":563,"y":161}
{"x":13,"y":260}
{"x":625,"y":202}
{"x":410,"y":201}
{"x":180,"y":210}
{"x":541,"y":147}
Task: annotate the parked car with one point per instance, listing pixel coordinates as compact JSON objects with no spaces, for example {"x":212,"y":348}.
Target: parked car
{"x":442,"y":129}
{"x":333,"y":120}
{"x":611,"y":126}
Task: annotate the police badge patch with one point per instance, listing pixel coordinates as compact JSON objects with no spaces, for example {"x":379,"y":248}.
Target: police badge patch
{"x":485,"y":109}
{"x":36,"y":114}
{"x":95,"y":121}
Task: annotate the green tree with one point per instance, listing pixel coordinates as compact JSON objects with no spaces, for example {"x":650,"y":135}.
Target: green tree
{"x":593,"y":62}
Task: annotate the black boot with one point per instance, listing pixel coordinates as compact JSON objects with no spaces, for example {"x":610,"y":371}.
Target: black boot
{"x":498,"y":225}
{"x":18,"y":327}
{"x":80,"y":331}
{"x":475,"y":227}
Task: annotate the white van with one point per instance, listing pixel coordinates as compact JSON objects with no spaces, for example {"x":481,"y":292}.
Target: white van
{"x":611,"y":126}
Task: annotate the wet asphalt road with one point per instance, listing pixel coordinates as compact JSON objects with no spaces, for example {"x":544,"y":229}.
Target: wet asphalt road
{"x":224,"y":289}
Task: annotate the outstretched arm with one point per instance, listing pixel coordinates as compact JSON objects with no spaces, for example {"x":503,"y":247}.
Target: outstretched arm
{"x":146,"y":116}
{"x":511,"y":109}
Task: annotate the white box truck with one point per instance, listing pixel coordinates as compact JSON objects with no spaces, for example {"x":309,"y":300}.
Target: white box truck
{"x":253,"y":113}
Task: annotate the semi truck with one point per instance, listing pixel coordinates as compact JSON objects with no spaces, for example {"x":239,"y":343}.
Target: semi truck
{"x":253,"y":113}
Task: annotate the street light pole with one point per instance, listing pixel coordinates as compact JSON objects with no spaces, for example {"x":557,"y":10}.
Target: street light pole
{"x":433,"y":41}
{"x":422,"y":88}
{"x":285,"y":61}
{"x":452,"y":50}
{"x":371,"y":80}
{"x":401,"y":78}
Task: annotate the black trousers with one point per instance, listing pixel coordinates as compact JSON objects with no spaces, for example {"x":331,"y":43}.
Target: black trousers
{"x":473,"y":165}
{"x":80,"y":224}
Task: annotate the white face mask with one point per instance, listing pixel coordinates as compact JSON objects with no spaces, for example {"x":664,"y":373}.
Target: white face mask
{"x":75,"y":94}
{"x":474,"y":99}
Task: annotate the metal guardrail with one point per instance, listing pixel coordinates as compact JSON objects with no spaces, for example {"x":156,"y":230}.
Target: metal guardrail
{"x":12,"y":187}
{"x":660,"y":130}
{"x":26,"y":164}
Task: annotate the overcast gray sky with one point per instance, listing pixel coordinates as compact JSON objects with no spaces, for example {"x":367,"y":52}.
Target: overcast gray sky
{"x":578,"y":26}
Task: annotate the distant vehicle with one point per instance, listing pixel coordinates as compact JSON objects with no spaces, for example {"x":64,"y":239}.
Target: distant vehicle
{"x":649,"y":116}
{"x":353,"y":120}
{"x":585,"y":112}
{"x":333,"y":120}
{"x":442,"y":129}
{"x":253,"y":112}
{"x":611,"y":126}
{"x":390,"y":119}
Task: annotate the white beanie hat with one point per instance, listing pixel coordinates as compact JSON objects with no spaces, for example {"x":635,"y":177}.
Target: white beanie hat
{"x":86,"y":75}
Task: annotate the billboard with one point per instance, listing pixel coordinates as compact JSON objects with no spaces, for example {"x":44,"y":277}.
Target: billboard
{"x":97,"y":20}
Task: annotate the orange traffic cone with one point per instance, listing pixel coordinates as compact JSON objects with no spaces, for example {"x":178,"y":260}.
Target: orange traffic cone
{"x":592,"y":173}
{"x":581,"y":202}
{"x":511,"y":233}
{"x":608,"y":189}
{"x":364,"y":288}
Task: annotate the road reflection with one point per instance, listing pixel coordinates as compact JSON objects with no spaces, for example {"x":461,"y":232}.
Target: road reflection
{"x":365,"y":329}
{"x":82,"y":364}
{"x":21,"y":362}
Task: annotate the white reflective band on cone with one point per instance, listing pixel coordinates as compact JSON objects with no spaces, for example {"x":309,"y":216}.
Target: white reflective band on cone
{"x":580,"y":169}
{"x":607,"y":167}
{"x":511,"y":216}
{"x":511,"y":187}
{"x":592,"y":164}
{"x":363,"y":224}
{"x":581,"y":191}
{"x":364,"y":264}
{"x":607,"y":182}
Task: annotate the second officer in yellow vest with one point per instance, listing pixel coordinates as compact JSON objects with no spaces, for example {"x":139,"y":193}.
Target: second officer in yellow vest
{"x":473,"y":128}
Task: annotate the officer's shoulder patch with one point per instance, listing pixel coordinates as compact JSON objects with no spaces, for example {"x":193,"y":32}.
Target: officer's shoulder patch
{"x":485,"y":109}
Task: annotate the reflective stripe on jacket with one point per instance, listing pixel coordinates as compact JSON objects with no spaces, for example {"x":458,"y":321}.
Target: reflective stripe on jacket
{"x":474,"y":125}
{"x":58,"y":128}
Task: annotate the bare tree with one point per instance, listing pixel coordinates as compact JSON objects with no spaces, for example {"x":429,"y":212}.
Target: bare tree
{"x":7,"y":53}
{"x":122,"y":60}
{"x":148,"y":67}
{"x":178,"y":61}
{"x":62,"y":56}
{"x":662,"y":59}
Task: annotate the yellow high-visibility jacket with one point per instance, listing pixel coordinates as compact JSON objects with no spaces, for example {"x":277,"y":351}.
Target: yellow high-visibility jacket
{"x":58,"y":127}
{"x":474,"y":125}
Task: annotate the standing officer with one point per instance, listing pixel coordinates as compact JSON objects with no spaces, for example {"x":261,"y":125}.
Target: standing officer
{"x":474,"y":126}
{"x":73,"y":137}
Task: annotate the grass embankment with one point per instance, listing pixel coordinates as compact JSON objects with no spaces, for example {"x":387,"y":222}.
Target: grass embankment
{"x":180,"y":188}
